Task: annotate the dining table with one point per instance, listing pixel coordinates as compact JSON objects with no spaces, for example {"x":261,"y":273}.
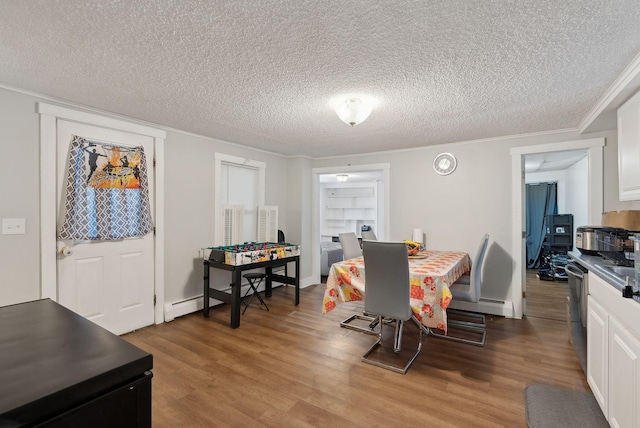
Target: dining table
{"x":431,"y":273}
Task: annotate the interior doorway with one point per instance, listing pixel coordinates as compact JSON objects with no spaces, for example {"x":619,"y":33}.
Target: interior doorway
{"x":350,"y":202}
{"x":566,"y":173}
{"x":593,"y":202}
{"x":344,"y":199}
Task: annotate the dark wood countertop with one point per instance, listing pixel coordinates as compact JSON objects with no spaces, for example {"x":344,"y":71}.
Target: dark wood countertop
{"x":52,"y":359}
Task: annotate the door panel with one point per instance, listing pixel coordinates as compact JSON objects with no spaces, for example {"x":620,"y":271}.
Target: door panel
{"x":109,"y":282}
{"x":131,"y":296}
{"x":86,"y":287}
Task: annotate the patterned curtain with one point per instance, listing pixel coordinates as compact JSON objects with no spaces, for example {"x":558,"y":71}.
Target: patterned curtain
{"x":107,"y":192}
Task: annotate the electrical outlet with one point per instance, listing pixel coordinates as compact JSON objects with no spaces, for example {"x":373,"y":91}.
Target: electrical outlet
{"x":13,"y":226}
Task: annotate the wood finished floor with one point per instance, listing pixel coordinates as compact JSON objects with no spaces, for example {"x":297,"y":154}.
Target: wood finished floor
{"x":546,"y":299}
{"x":294,"y":367}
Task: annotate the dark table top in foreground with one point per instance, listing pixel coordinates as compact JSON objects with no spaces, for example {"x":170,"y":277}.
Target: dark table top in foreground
{"x":52,"y":359}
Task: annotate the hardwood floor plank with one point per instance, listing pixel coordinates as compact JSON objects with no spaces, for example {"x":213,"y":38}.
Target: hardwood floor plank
{"x":294,"y":367}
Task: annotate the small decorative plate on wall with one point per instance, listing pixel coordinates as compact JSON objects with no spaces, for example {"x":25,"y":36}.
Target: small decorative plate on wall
{"x":445,"y":163}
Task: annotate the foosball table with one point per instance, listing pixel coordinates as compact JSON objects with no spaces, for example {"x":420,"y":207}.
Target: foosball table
{"x":250,"y":255}
{"x":252,"y":252}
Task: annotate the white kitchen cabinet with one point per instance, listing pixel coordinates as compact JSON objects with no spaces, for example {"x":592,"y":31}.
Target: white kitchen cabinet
{"x":624,"y":376}
{"x":613,"y":353}
{"x":597,"y":352}
{"x":346,"y":207}
{"x":629,"y":149}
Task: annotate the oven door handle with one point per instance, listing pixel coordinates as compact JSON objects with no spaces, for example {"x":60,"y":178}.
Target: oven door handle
{"x":573,"y":271}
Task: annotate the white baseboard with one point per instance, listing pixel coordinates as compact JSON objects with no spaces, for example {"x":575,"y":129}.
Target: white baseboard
{"x":305,"y":282}
{"x":485,"y":306}
{"x":178,"y":309}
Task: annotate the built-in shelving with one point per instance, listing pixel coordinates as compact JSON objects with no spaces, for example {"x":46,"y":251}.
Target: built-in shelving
{"x":346,"y":207}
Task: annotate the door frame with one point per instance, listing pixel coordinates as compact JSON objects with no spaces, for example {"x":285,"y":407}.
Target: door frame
{"x":595,"y":194}
{"x":49,"y":115}
{"x":315,"y":205}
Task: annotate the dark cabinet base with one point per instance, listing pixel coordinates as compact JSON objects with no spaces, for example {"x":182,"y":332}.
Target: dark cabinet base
{"x":127,"y":406}
{"x":58,"y":369}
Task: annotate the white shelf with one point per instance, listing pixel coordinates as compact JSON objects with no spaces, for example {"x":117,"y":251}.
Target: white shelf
{"x":347,"y":207}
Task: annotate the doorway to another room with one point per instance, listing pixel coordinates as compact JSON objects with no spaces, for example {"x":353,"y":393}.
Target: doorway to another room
{"x":556,"y":203}
{"x":349,"y":199}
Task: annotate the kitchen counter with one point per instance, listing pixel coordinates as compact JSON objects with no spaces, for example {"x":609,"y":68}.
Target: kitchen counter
{"x":602,"y":267}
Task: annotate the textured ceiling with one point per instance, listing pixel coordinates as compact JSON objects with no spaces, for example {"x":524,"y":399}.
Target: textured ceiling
{"x":265,"y":73}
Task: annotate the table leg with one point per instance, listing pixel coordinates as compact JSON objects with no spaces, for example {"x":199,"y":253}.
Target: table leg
{"x":236,"y":285}
{"x":297,"y":280}
{"x":205,"y":307}
{"x":268,"y":285}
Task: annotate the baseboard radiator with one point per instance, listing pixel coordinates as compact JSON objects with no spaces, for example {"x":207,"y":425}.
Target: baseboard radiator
{"x":486,"y":306}
{"x":183,"y":307}
{"x":187,"y":306}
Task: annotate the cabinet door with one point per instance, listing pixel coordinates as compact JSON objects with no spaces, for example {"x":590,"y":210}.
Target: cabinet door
{"x":597,"y":353}
{"x":624,"y":376}
{"x":629,"y":149}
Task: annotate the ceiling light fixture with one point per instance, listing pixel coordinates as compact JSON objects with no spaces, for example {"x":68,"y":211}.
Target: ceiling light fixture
{"x":342,"y":177}
{"x":353,"y":111}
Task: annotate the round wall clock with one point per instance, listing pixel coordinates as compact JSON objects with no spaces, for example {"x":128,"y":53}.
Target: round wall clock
{"x":445,"y":163}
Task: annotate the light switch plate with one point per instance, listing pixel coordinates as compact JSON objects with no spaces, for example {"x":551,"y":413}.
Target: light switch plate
{"x":13,"y":226}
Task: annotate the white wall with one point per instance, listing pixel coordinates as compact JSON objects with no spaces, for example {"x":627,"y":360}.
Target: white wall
{"x":456,"y":210}
{"x":189,"y":212}
{"x":577,"y":197}
{"x":297,"y":184}
{"x":19,"y":197}
{"x":188,"y":202}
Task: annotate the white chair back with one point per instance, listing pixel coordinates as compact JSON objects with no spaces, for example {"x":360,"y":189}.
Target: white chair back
{"x":476,"y":269}
{"x":369,"y":235}
{"x":387,"y":284}
{"x":350,"y":246}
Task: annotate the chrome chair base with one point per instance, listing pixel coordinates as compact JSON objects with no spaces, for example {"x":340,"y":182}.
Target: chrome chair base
{"x":472,"y":327}
{"x":396,"y":346}
{"x":371,"y":319}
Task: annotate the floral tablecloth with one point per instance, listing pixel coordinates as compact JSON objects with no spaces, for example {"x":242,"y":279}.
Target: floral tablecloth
{"x":430,"y":279}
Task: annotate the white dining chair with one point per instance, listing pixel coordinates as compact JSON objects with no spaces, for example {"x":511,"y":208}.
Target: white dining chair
{"x":387,"y":295}
{"x":350,"y":250}
{"x":350,"y":245}
{"x":369,"y":235}
{"x":467,"y":289}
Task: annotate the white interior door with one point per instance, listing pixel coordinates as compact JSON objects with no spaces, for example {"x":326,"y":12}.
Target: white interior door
{"x":108,"y":282}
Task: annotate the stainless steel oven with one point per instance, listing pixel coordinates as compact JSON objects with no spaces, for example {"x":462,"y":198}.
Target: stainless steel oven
{"x":578,"y":282}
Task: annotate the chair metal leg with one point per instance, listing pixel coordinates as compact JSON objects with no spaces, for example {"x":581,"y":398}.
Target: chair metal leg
{"x":373,"y":321}
{"x":397,"y":341}
{"x":472,"y":327}
{"x":473,"y":315}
